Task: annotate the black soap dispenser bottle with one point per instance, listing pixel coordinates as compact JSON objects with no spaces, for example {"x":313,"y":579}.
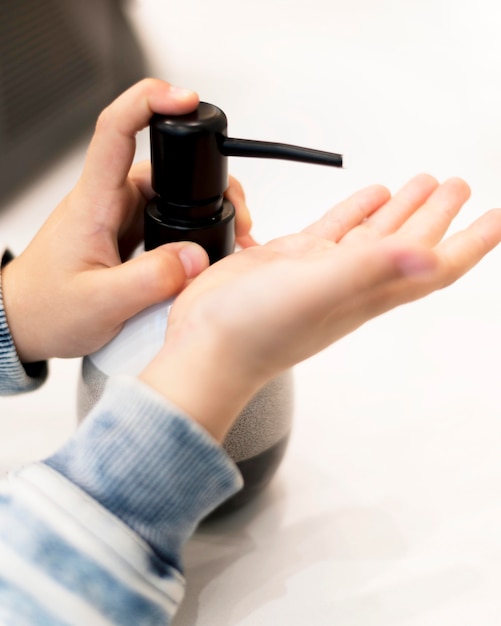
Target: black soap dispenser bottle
{"x":189,"y":156}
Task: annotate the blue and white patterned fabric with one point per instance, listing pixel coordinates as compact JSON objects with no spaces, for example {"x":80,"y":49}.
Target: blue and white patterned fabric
{"x":14,"y":377}
{"x":94,"y":534}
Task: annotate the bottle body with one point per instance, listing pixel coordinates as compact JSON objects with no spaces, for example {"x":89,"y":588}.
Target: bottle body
{"x":258,"y":438}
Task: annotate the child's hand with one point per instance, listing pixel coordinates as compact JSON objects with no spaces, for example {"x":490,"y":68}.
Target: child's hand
{"x":262,"y":310}
{"x":69,"y":293}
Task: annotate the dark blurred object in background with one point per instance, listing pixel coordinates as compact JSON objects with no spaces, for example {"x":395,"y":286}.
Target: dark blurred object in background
{"x":61,"y":63}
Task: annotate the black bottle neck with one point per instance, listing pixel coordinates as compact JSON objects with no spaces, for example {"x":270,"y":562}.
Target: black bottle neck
{"x":214,"y":231}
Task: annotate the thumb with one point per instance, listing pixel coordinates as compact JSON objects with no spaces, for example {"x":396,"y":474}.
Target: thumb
{"x":150,"y":278}
{"x":111,"y":150}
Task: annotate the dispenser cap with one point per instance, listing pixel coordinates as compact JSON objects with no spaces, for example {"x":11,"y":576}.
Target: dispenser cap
{"x":188,"y":165}
{"x":189,"y":155}
{"x":190,"y":175}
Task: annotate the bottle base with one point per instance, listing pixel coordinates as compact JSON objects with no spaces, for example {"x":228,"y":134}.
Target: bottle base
{"x":256,"y":472}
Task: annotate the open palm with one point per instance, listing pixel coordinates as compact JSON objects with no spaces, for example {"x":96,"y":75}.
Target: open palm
{"x":280,"y":303}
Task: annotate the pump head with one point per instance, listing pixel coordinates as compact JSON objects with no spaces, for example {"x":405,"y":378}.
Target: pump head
{"x":190,"y":175}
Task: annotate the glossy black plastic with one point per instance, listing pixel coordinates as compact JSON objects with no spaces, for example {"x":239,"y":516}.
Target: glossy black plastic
{"x":188,"y":166}
{"x":189,"y":158}
{"x":215,"y":233}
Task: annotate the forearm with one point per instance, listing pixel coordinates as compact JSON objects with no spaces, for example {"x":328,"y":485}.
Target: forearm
{"x":116,"y":505}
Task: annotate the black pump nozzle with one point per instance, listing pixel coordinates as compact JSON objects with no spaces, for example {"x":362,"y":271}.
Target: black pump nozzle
{"x":190,"y":175}
{"x":283,"y":151}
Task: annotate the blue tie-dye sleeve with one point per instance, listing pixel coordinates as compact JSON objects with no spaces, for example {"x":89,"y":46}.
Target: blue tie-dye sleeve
{"x":94,"y":534}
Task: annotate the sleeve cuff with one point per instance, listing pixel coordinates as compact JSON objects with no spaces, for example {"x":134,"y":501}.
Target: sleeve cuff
{"x":14,"y":376}
{"x":149,"y":464}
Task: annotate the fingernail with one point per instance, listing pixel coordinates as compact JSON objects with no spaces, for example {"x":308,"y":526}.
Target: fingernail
{"x":180,"y":93}
{"x":193,"y":259}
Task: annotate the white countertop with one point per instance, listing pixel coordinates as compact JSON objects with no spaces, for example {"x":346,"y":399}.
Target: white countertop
{"x":387,"y":508}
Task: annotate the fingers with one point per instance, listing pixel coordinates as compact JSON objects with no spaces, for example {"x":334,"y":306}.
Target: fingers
{"x":463,"y":250}
{"x":346,"y":215}
{"x":397,"y":210}
{"x":140,"y":176}
{"x":130,"y":222}
{"x":430,"y":222}
{"x":112,"y":147}
{"x":421,"y":211}
{"x":243,"y":222}
{"x":152,"y":277}
{"x":454,"y":258}
{"x":377,"y":279}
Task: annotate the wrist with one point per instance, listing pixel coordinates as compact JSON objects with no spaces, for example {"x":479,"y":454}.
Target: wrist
{"x":203,"y":379}
{"x":15,"y":376}
{"x":16,"y":312}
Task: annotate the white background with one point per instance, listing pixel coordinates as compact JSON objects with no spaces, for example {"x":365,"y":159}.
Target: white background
{"x":387,"y":508}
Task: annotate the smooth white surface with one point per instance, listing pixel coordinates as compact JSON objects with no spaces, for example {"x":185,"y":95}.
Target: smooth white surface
{"x":137,"y":343}
{"x":387,"y":509}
